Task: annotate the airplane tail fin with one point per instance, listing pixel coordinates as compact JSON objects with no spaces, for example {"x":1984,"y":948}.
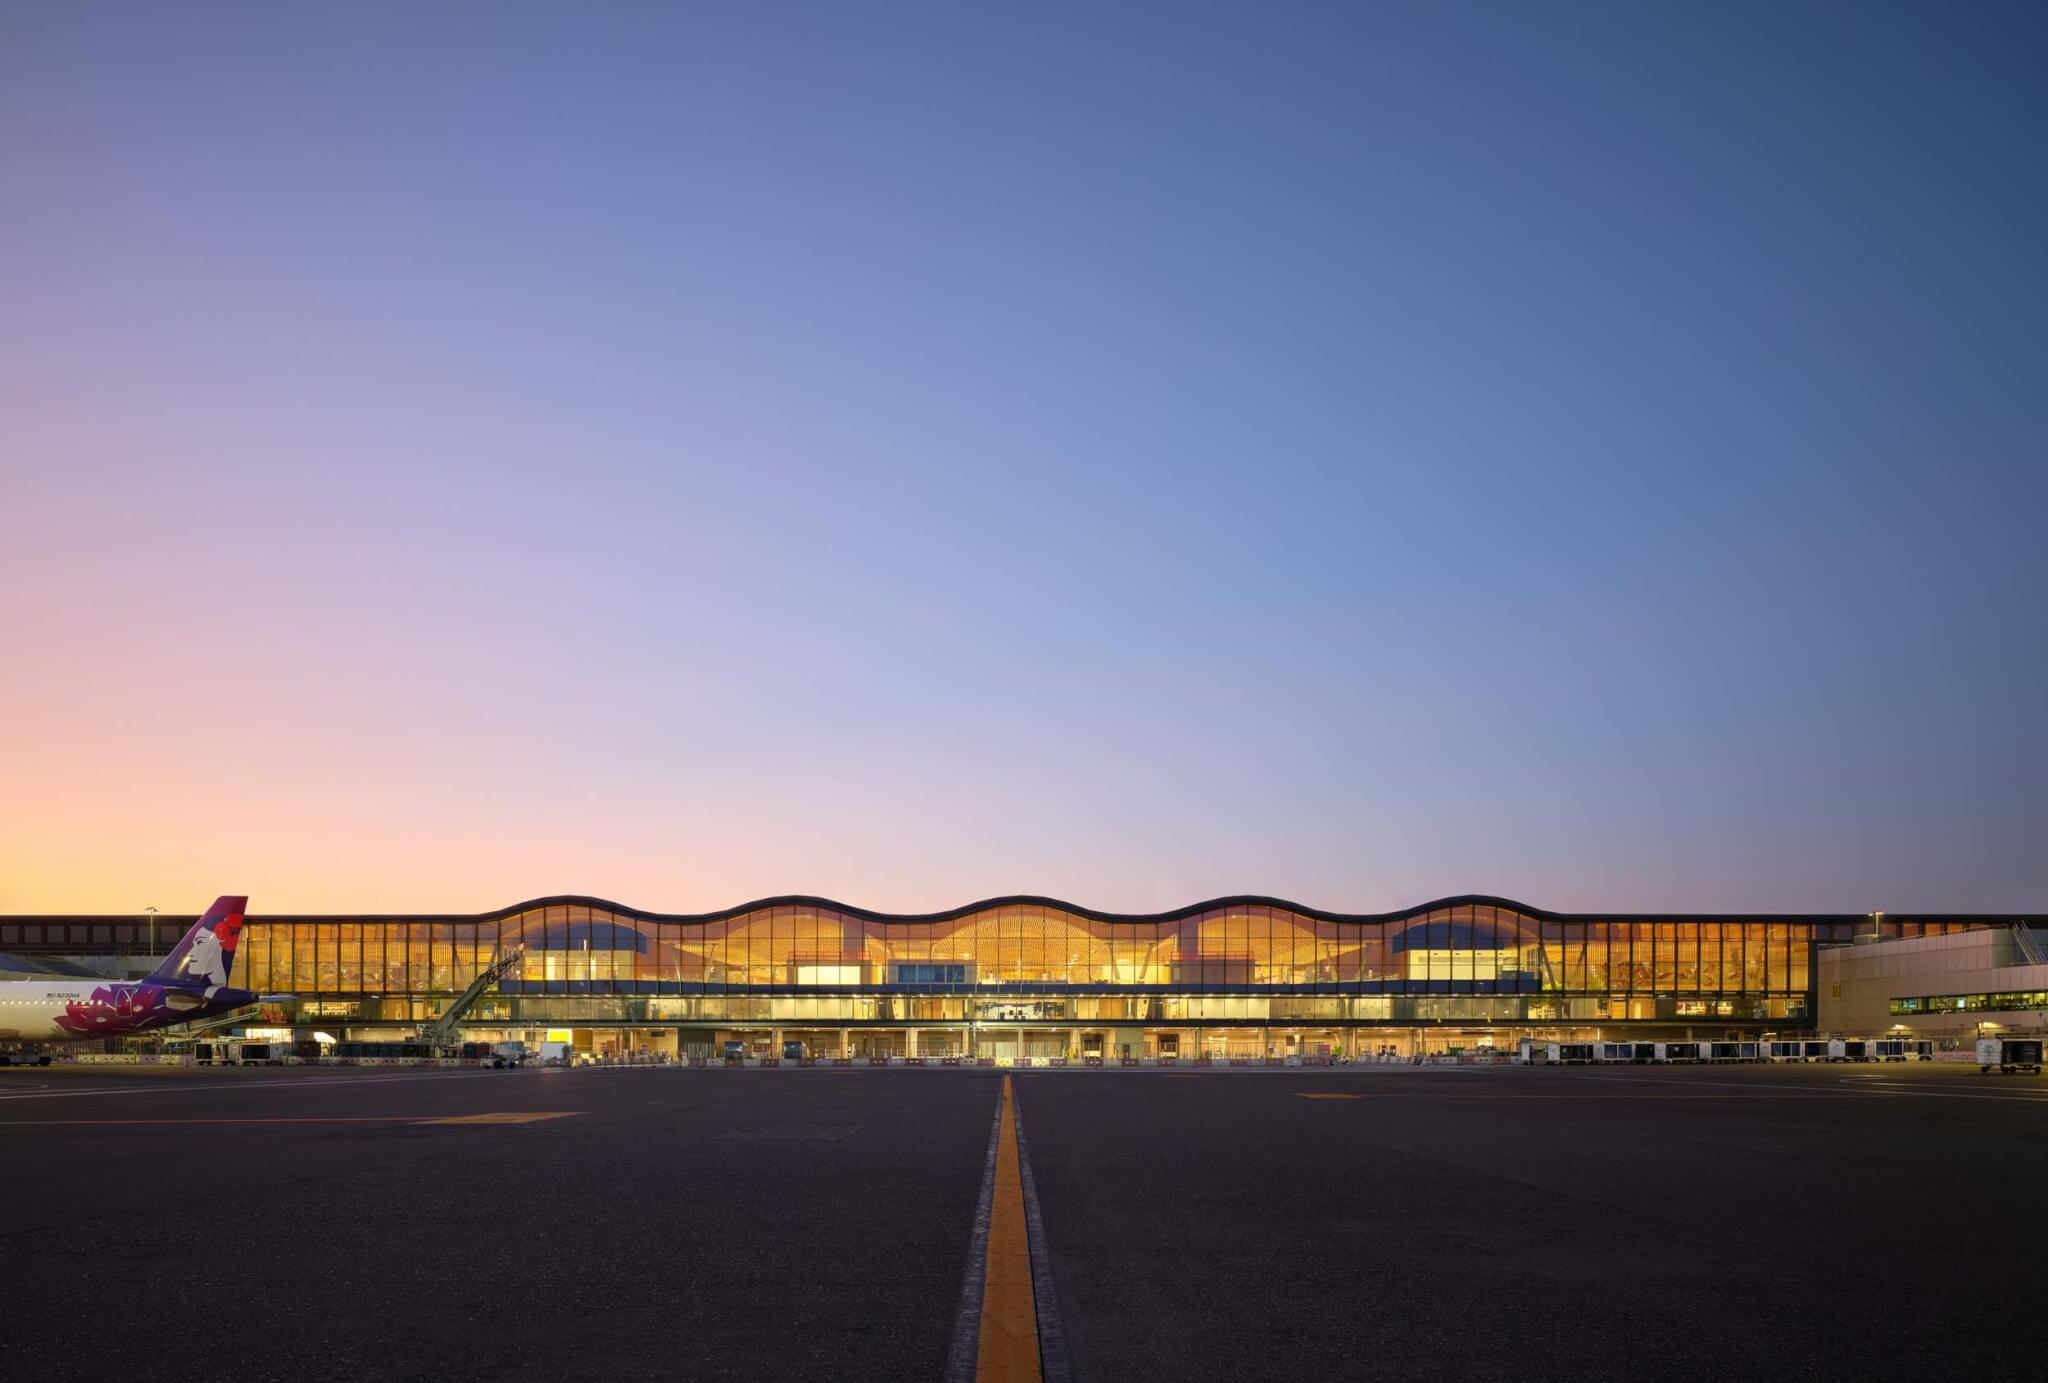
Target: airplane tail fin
{"x":207,"y":954}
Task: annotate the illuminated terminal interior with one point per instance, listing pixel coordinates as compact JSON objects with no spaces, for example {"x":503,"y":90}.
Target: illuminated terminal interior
{"x":1028,"y":977}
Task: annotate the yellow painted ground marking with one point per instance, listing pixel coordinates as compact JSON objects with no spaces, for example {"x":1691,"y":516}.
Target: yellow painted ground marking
{"x":128,"y":1123}
{"x":1008,"y":1350}
{"x":1324,"y":1095}
{"x":299,"y":1119}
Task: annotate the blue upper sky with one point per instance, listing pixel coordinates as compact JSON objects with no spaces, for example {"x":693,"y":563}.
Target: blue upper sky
{"x":1591,"y":453}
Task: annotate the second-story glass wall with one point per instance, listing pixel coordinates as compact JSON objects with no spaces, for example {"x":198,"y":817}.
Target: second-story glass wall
{"x":866,"y":968}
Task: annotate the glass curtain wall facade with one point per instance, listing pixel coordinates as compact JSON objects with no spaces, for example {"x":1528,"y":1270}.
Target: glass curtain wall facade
{"x":1030,"y":962}
{"x":1043,"y":976}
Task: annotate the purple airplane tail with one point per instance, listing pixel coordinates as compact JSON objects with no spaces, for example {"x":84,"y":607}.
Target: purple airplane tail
{"x":206,"y":957}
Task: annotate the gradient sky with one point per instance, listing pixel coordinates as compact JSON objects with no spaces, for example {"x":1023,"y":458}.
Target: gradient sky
{"x":1596,"y":454}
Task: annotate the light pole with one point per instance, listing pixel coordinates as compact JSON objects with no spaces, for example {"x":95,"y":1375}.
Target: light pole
{"x":151,"y":912}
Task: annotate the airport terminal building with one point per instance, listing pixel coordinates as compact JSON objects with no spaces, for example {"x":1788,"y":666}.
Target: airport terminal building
{"x":1024,"y":976}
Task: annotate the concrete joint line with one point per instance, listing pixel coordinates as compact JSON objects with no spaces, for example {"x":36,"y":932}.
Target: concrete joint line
{"x":960,"y":1360}
{"x":1054,"y":1364}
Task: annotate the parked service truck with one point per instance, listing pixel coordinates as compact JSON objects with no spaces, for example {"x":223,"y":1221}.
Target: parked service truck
{"x":2009,"y":1056}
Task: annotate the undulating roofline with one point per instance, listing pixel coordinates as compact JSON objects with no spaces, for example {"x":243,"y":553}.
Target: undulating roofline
{"x":1093,"y":914}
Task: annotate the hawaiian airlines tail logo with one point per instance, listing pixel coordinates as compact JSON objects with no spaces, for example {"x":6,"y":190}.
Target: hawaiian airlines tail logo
{"x":206,"y":957}
{"x":204,"y":961}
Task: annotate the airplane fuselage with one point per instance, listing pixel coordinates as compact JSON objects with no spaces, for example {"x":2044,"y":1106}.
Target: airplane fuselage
{"x":61,"y":1009}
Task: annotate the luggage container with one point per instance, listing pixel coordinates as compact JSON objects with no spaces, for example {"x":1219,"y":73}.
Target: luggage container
{"x":1732,"y":1051}
{"x":1889,"y":1049}
{"x":1678,"y":1053}
{"x":1785,"y":1051}
{"x":1529,"y":1052}
{"x":1849,"y":1049}
{"x":2009,"y":1056}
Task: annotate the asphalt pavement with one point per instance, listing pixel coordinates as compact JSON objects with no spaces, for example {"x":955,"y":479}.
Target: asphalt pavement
{"x":1633,"y":1223}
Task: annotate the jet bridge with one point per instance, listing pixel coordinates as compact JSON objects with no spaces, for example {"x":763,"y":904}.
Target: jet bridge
{"x":234,"y":1017}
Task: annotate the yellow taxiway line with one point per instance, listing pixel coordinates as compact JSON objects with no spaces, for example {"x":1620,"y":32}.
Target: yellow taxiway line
{"x":510,"y":1118}
{"x":1008,"y":1351}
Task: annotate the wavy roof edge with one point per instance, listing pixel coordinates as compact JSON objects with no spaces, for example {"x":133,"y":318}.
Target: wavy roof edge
{"x":1098,"y":915}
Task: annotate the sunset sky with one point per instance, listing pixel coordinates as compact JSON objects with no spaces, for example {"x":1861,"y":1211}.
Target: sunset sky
{"x":1594,"y":454}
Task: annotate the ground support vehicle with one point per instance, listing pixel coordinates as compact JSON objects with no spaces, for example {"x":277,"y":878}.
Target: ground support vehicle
{"x":2009,"y":1056}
